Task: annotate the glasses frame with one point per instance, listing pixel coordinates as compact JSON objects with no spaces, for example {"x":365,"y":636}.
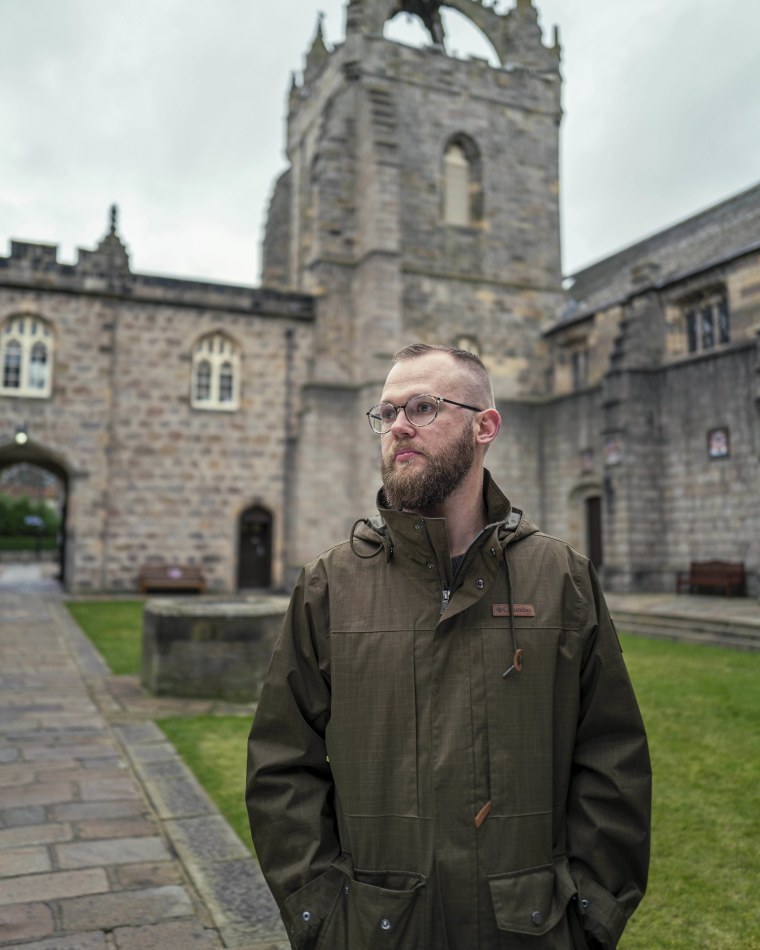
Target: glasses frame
{"x":436,"y":399}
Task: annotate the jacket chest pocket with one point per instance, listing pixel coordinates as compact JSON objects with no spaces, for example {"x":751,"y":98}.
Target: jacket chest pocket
{"x":372,"y":733}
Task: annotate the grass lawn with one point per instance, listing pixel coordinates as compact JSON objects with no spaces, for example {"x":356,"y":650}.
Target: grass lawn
{"x":115,"y":628}
{"x":701,"y":706}
{"x":215,"y":748}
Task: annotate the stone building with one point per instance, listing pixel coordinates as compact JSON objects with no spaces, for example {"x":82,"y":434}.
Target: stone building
{"x":221,"y":425}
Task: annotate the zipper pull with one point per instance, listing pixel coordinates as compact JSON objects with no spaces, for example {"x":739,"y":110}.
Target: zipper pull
{"x":445,"y":597}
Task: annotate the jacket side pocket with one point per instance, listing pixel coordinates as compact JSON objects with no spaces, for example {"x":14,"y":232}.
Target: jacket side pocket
{"x":533,"y":902}
{"x":377,"y":911}
{"x":305,"y":911}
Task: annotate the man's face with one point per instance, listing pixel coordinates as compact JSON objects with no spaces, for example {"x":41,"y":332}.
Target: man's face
{"x":421,"y":467}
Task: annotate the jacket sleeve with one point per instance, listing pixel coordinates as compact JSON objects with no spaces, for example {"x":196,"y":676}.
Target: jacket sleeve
{"x":289,"y":788}
{"x":608,"y":808}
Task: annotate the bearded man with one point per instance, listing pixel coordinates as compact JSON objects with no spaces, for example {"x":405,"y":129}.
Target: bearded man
{"x":447,"y":753}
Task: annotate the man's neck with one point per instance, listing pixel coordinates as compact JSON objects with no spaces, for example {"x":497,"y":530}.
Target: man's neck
{"x":464,"y":511}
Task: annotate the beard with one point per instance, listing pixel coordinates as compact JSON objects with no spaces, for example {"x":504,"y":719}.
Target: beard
{"x":441,"y":474}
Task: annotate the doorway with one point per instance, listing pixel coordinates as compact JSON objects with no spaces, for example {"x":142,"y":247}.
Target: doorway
{"x":255,"y":549}
{"x":33,"y":512}
{"x":594,"y":530}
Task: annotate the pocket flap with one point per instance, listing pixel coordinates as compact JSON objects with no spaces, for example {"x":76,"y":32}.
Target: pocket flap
{"x":531,"y":901}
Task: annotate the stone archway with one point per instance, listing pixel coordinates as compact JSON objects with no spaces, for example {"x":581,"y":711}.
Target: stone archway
{"x":25,"y":452}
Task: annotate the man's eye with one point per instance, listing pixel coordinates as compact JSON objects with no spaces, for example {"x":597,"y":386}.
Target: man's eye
{"x":424,"y":408}
{"x":387,"y":414}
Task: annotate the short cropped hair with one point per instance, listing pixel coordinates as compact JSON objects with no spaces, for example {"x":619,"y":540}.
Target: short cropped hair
{"x":481,"y":387}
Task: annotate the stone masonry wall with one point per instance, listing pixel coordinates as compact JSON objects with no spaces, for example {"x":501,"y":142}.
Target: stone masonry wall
{"x":150,"y":477}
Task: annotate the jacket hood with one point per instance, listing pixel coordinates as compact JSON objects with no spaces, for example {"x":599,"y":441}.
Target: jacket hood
{"x":371,"y":536}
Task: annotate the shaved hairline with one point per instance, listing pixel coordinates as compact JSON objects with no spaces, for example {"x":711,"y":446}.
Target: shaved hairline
{"x":480,"y":388}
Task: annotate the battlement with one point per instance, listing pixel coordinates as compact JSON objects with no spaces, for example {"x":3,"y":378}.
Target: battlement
{"x":105,"y":270}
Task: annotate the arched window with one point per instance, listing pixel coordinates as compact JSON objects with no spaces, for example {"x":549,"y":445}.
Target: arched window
{"x":462,"y":186}
{"x":456,"y":196}
{"x":26,"y":357}
{"x":216,"y":374}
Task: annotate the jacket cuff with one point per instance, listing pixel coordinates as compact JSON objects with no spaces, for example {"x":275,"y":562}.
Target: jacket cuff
{"x":603,"y":919}
{"x":306,"y":909}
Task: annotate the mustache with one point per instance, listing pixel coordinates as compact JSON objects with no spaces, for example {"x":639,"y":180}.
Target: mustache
{"x":401,"y":444}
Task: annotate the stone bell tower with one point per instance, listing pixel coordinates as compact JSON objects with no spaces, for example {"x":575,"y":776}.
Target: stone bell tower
{"x":421,"y":203}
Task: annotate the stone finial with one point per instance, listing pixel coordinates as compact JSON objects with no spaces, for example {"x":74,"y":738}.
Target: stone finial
{"x":110,"y":258}
{"x":318,"y":54}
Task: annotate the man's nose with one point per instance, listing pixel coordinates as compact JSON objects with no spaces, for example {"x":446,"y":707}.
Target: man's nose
{"x":401,"y":425}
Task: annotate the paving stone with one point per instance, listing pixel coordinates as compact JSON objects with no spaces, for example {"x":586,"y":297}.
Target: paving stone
{"x":240,"y":901}
{"x":25,"y":795}
{"x":24,"y":835}
{"x":86,"y":854}
{"x":11,"y":775}
{"x":26,"y":815}
{"x":134,"y":732}
{"x":145,"y":875}
{"x":125,"y":908}
{"x":91,"y":940}
{"x":209,"y":838}
{"x":115,"y":828}
{"x":107,"y":789}
{"x":153,"y":752}
{"x":176,"y":933}
{"x":59,"y":884}
{"x":9,"y":754}
{"x":81,"y":811}
{"x":18,"y":861}
{"x":178,"y":798}
{"x":20,"y":922}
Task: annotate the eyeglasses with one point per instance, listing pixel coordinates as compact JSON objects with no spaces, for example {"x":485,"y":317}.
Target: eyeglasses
{"x":419,"y":410}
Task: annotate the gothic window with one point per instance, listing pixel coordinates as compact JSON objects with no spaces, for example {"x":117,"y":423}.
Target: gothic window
{"x":216,"y":373}
{"x":462,"y":193}
{"x":26,"y":357}
{"x":707,"y":322}
{"x":579,"y":362}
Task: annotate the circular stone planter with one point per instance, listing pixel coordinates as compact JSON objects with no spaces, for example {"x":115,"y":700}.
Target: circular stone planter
{"x":205,"y":648}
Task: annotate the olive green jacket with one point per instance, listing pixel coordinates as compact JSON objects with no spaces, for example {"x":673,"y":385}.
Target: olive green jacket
{"x":405,"y":793}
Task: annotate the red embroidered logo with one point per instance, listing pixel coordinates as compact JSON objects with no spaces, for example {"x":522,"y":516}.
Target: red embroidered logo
{"x":518,"y":610}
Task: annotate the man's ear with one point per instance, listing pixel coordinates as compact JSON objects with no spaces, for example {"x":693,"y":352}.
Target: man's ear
{"x":488,"y":426}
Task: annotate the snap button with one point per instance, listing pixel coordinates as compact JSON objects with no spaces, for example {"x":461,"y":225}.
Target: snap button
{"x":346,"y":888}
{"x":480,"y":583}
{"x":493,"y":552}
{"x":385,"y":924}
{"x":537,"y":918}
{"x":306,"y":916}
{"x":430,"y":566}
{"x":418,"y":526}
{"x":585,"y":903}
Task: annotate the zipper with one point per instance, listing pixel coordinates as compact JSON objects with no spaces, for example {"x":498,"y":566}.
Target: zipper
{"x":445,"y":589}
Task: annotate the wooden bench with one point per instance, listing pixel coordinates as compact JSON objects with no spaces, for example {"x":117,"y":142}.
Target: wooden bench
{"x":171,"y":577}
{"x":725,"y":577}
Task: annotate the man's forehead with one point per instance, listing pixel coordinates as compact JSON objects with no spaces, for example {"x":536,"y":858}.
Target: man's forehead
{"x":422,"y":374}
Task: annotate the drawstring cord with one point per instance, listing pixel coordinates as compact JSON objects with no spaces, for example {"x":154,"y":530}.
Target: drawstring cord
{"x":380,"y":543}
{"x":518,"y":655}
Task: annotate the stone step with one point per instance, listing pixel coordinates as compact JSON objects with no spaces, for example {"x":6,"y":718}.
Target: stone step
{"x":732,"y":633}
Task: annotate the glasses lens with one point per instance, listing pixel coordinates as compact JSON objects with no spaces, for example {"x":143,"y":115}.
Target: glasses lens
{"x":421,"y":410}
{"x":382,"y":416}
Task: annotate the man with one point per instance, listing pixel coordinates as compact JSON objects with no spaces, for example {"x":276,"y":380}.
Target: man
{"x":448,"y":754}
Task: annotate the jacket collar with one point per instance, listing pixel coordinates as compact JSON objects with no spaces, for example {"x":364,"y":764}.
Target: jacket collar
{"x":418,"y":532}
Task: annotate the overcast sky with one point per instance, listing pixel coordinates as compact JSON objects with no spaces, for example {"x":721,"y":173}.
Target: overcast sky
{"x":174,"y":110}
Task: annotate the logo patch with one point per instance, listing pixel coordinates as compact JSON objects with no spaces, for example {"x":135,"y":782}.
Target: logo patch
{"x":518,"y":610}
